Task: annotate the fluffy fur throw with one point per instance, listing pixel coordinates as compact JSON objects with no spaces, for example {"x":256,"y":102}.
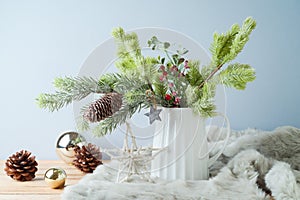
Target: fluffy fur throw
{"x":255,"y":165}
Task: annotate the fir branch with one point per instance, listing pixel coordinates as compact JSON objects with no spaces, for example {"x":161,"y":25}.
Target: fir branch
{"x":133,"y":101}
{"x":193,"y":76}
{"x":71,"y":89}
{"x":160,"y":90}
{"x":54,"y":102}
{"x":109,"y":124}
{"x":237,"y":76}
{"x":128,"y":49}
{"x":221,"y":45}
{"x":209,"y":90}
{"x":107,"y":82}
{"x":131,"y":62}
{"x":128,"y":43}
{"x":226,"y":47}
{"x":82,"y":124}
{"x":201,"y":100}
{"x":126,"y":64}
{"x":77,"y":85}
{"x":129,"y":83}
{"x":210,"y":76}
{"x":192,"y":94}
{"x":241,"y":38}
{"x":131,"y":97}
{"x":148,"y":71}
{"x":64,"y":84}
{"x":205,"y":107}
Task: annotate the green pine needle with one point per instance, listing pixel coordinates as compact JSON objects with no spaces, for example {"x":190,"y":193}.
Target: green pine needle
{"x":128,"y":50}
{"x":109,"y":124}
{"x":194,"y":77}
{"x":54,"y":102}
{"x":225,"y":47}
{"x":71,"y":89}
{"x":237,"y":76}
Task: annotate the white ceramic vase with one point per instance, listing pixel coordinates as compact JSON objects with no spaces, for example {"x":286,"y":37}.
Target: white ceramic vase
{"x":184,"y":136}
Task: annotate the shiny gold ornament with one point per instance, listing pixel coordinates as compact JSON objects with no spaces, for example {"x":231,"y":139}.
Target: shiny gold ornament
{"x":55,"y":177}
{"x":66,"y":143}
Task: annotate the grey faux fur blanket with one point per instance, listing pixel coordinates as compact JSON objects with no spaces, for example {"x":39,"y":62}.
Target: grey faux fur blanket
{"x":235,"y":176}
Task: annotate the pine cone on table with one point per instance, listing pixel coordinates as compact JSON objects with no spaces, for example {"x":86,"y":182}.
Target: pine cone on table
{"x":103,"y":107}
{"x":88,"y":157}
{"x":21,"y":166}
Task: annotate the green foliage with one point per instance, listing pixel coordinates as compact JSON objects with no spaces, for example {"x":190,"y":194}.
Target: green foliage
{"x":82,"y":124}
{"x":194,"y":77}
{"x":170,"y":81}
{"x":127,"y":64}
{"x":154,"y":43}
{"x":147,"y":70}
{"x":128,"y":83}
{"x":192,"y":95}
{"x":160,"y":91}
{"x":128,"y":50}
{"x":54,"y":102}
{"x":131,"y":62}
{"x":222,"y":44}
{"x":107,"y":82}
{"x":76,"y":85}
{"x":241,"y":38}
{"x":237,"y":76}
{"x":109,"y":124}
{"x":226,"y":47}
{"x":131,"y":97}
{"x":206,"y":70}
{"x":70,"y":89}
{"x":64,"y":84}
{"x":202,"y":100}
{"x":127,"y":43}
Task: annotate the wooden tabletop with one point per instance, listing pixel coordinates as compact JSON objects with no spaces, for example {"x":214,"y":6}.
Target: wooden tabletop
{"x":37,"y":188}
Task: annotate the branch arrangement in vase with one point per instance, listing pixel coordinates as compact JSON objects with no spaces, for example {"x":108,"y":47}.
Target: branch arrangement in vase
{"x":171,"y":80}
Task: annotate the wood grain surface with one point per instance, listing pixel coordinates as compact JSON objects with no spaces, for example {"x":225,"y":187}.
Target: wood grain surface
{"x":37,"y":188}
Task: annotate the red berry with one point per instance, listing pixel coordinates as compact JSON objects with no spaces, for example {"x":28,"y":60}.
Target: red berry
{"x":186,"y":65}
{"x":171,"y":85}
{"x":174,"y":68}
{"x":161,"y":78}
{"x":177,"y":100}
{"x":168,"y":97}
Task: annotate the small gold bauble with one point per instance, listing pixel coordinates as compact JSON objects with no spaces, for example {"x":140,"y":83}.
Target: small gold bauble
{"x":55,"y":177}
{"x":66,"y":143}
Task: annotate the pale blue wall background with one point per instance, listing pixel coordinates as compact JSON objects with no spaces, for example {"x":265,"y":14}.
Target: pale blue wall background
{"x":41,"y":40}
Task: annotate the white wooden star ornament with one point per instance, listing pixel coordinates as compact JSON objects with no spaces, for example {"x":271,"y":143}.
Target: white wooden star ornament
{"x":133,"y":161}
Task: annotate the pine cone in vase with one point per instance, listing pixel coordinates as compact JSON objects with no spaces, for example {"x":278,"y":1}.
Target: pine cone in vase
{"x":104,"y":107}
{"x":88,"y":157}
{"x":21,"y":166}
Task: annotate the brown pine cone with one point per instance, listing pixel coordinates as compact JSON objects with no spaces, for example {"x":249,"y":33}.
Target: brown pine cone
{"x":104,"y":107}
{"x":87,"y":158}
{"x":21,"y":166}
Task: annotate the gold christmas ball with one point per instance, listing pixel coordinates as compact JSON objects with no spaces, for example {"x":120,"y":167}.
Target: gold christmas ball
{"x":66,"y":143}
{"x":55,"y":177}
